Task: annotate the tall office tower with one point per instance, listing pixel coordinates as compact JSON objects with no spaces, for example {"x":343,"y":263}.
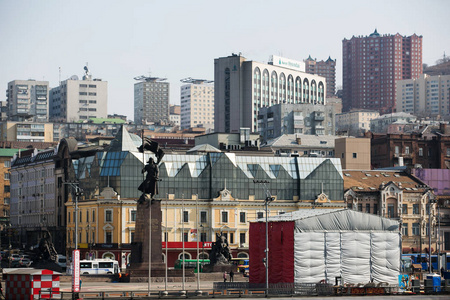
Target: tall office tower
{"x":197,"y":103}
{"x":426,"y":96}
{"x":27,"y":100}
{"x":151,"y":100}
{"x":75,"y":99}
{"x":372,"y":65}
{"x":241,"y":87}
{"x":326,"y":69}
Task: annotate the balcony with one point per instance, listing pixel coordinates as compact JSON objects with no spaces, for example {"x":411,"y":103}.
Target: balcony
{"x":319,"y":117}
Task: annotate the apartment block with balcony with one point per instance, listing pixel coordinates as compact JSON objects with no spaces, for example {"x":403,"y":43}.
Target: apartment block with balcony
{"x":355,"y":122}
{"x":28,"y":100}
{"x":302,"y":118}
{"x":26,"y":132}
{"x":426,"y":96}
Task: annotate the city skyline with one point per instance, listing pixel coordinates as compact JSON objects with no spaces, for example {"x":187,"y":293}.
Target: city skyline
{"x":180,"y":39}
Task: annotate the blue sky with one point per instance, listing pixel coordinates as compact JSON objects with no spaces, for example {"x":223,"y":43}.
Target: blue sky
{"x":177,"y":39}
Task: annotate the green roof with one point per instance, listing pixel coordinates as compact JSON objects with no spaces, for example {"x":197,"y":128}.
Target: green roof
{"x":8,"y":152}
{"x":104,"y":121}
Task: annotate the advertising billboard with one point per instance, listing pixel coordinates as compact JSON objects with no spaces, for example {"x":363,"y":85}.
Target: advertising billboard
{"x":287,"y":63}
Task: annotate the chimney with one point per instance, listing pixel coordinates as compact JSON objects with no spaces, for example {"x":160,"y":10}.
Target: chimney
{"x":298,"y":140}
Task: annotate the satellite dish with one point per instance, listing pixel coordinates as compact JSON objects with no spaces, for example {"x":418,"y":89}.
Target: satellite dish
{"x":73,"y":77}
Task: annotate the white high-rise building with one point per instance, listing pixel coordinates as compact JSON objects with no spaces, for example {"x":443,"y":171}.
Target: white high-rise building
{"x":75,"y":99}
{"x":425,"y":96}
{"x":197,"y":103}
{"x":27,"y":100}
{"x":241,"y":87}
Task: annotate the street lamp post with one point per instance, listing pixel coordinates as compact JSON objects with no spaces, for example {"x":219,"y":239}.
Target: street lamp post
{"x":78,"y":193}
{"x":267,"y":200}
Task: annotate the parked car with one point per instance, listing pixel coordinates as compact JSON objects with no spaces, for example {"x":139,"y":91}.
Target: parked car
{"x":25,"y":262}
{"x":14,"y":258}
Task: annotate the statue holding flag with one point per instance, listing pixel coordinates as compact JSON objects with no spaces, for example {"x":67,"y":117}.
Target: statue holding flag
{"x":149,"y":187}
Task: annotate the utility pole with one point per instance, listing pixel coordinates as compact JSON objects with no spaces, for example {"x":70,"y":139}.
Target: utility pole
{"x":267,"y":200}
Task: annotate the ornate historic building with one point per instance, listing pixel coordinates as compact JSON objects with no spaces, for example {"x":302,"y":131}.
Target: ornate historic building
{"x":395,"y":195}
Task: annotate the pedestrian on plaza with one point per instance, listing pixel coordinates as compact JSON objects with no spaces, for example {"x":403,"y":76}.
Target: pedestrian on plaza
{"x":231,"y":276}
{"x":225,"y":276}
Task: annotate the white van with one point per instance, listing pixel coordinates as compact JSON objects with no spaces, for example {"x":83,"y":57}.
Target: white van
{"x":99,"y":267}
{"x":61,"y":260}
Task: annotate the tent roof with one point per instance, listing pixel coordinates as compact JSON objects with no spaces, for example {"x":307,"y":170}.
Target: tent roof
{"x":336,"y":220}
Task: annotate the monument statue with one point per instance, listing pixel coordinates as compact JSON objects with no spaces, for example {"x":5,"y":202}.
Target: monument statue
{"x":150,"y":185}
{"x":220,"y":251}
{"x":148,"y":219}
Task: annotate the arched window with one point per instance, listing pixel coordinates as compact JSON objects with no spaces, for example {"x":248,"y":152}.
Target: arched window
{"x":290,"y":89}
{"x":282,"y":85}
{"x":256,"y":86}
{"x":186,"y":255}
{"x":321,"y":93}
{"x":306,"y":98}
{"x":109,"y":255}
{"x":203,"y":255}
{"x":273,"y":88}
{"x":313,"y":92}
{"x":242,"y":255}
{"x":265,"y":88}
{"x":298,"y":90}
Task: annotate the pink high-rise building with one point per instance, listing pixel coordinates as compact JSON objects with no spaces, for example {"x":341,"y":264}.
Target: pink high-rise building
{"x":371,"y":66}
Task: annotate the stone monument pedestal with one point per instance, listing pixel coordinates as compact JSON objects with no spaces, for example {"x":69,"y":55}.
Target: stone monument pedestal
{"x":140,"y":247}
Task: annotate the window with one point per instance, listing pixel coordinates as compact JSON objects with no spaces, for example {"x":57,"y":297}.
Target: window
{"x":406,"y":150}
{"x":203,"y":217}
{"x":415,"y":209}
{"x":242,"y":216}
{"x":108,"y":215}
{"x":7,"y":189}
{"x":242,"y":238}
{"x":420,"y":151}
{"x":7,"y":164}
{"x":108,"y":237}
{"x":259,"y":215}
{"x":368,"y":208}
{"x":359,"y":207}
{"x":185,"y":216}
{"x":133,"y":216}
{"x":81,"y":216}
{"x":405,"y":209}
{"x":185,"y":236}
{"x":224,"y":217}
{"x":405,"y":229}
{"x":6,"y":176}
{"x":231,"y":241}
{"x":416,"y":229}
{"x":390,"y":211}
{"x":93,"y":215}
{"x":87,"y":216}
{"x":132,"y":237}
{"x":397,"y":150}
{"x":375,"y":209}
{"x":355,"y":155}
{"x":448,"y":151}
{"x":6,"y":199}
